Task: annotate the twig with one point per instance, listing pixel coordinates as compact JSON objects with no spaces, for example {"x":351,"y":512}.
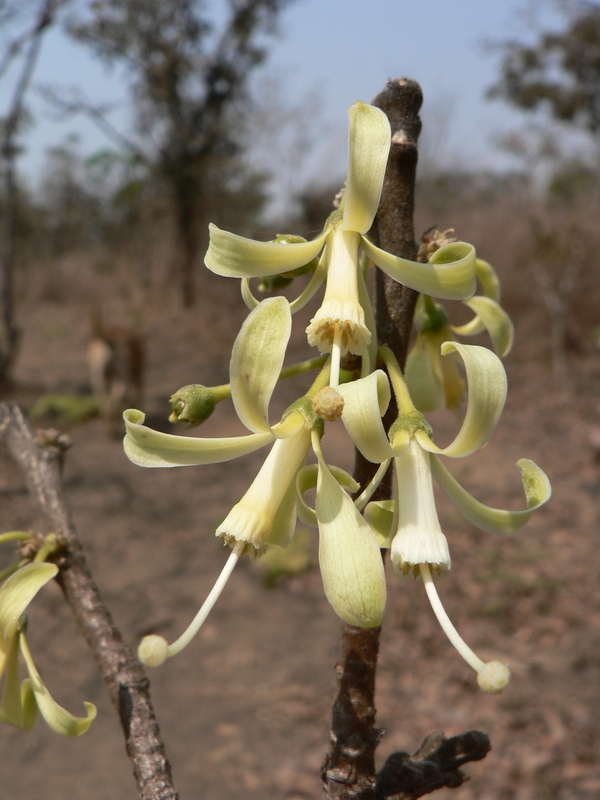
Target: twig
{"x":435,"y":765}
{"x":127,"y":684}
{"x":393,"y":229}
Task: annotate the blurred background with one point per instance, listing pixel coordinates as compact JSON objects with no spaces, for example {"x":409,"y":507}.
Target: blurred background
{"x":126,"y":127}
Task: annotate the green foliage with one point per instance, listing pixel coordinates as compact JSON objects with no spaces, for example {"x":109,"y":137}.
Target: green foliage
{"x":571,"y":180}
{"x":560,"y":73}
{"x":66,"y":408}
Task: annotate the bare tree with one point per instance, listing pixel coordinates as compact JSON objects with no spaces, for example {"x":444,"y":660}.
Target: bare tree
{"x":30,"y":42}
{"x":189,"y":85}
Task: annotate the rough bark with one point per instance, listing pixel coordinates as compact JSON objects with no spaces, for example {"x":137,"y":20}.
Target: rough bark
{"x":41,"y":463}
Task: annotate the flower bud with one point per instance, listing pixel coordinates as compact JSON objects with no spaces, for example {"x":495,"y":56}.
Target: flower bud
{"x":193,"y":404}
{"x":153,"y":650}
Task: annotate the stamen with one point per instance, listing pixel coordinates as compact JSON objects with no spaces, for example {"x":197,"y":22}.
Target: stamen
{"x":336,"y":357}
{"x":363,"y":498}
{"x":493,"y":676}
{"x":153,"y":652}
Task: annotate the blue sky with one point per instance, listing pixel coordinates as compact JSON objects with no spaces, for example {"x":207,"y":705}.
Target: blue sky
{"x":338,"y":51}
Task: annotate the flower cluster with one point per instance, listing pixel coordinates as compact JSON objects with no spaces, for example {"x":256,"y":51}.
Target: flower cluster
{"x":352,"y":528}
{"x":21,"y":700}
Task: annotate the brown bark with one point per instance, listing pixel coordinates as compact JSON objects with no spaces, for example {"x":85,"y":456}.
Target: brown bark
{"x":126,"y":682}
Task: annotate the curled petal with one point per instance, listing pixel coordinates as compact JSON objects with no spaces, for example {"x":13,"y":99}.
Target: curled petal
{"x":307,"y":479}
{"x":150,"y":448}
{"x":349,"y":556}
{"x":256,"y":361}
{"x":380,"y":516}
{"x":57,"y":717}
{"x":316,"y":281}
{"x":486,"y":379}
{"x":491,"y":317}
{"x":450,"y":273}
{"x":238,"y":257}
{"x":18,"y":591}
{"x":423,"y":376}
{"x":365,"y":402}
{"x":369,"y":141}
{"x":486,"y":275}
{"x":11,"y":702}
{"x":535,"y":484}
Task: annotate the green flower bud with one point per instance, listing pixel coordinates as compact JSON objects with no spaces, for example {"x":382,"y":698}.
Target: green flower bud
{"x":193,"y":404}
{"x":271,"y":283}
{"x":430,"y":316}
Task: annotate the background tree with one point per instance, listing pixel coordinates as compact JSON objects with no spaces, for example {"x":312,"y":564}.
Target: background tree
{"x":189,"y":85}
{"x":559,"y":73}
{"x":26,"y":46}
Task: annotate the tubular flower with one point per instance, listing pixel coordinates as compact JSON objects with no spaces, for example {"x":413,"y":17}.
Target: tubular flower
{"x":265,"y":516}
{"x":436,"y":382}
{"x":21,"y":701}
{"x":339,"y":325}
{"x":409,"y":525}
{"x":351,"y":564}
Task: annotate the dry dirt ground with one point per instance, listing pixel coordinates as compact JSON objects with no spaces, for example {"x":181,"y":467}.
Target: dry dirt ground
{"x":245,"y":709}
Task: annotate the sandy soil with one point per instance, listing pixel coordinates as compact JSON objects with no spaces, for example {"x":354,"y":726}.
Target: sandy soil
{"x":245,"y":709}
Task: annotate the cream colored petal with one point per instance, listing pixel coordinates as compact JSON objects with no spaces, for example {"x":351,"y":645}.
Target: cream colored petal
{"x":380,"y":516}
{"x":349,"y":556}
{"x":486,"y":380}
{"x":535,"y":484}
{"x":238,"y":257}
{"x":419,"y":538}
{"x":251,"y":520}
{"x":491,"y":317}
{"x":365,"y":402}
{"x":369,"y":141}
{"x":11,"y":707}
{"x":284,"y":521}
{"x":57,"y":717}
{"x":150,"y":448}
{"x":450,"y":273}
{"x":369,"y":355}
{"x":18,"y":591}
{"x":306,"y":479}
{"x":256,"y":361}
{"x":486,"y":275}
{"x":423,"y":380}
{"x":341,"y":310}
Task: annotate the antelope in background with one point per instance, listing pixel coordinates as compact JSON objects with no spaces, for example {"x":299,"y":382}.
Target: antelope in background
{"x":116,"y":361}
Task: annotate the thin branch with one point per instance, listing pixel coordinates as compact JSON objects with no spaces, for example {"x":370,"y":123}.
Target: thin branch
{"x":126,"y":682}
{"x":73,"y":102}
{"x":436,"y":764}
{"x":393,"y":229}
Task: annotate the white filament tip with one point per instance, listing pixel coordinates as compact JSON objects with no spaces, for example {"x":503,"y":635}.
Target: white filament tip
{"x":153,"y":650}
{"x":493,"y":677}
